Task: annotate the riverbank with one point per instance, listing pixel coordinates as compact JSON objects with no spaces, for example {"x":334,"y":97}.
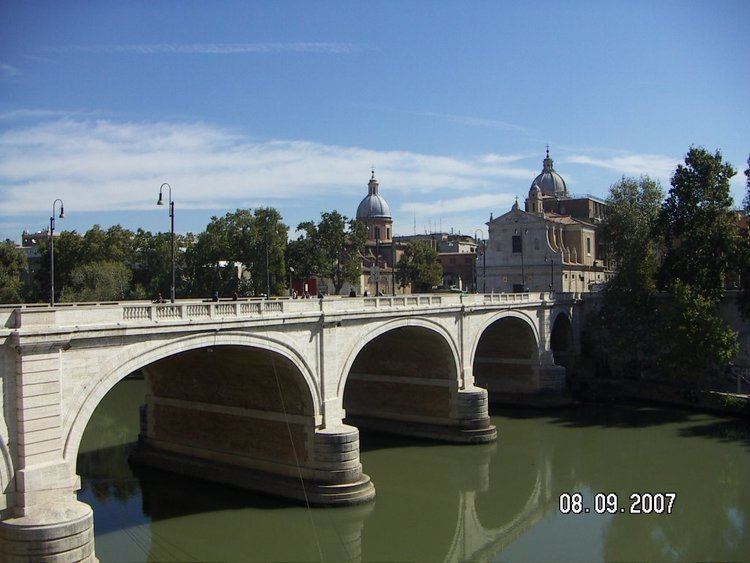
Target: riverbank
{"x":606,"y":390}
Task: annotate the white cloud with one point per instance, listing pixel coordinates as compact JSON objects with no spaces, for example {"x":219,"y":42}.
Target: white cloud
{"x":473,"y":121}
{"x":211,"y":48}
{"x":487,"y":201}
{"x":8,"y":71}
{"x":654,"y":165}
{"x":40,"y":113}
{"x":107,"y":165}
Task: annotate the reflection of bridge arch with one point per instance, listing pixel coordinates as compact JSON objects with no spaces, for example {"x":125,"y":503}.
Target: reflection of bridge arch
{"x":479,"y":535}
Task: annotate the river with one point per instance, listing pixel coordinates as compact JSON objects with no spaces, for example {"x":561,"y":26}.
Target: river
{"x":438,"y":502}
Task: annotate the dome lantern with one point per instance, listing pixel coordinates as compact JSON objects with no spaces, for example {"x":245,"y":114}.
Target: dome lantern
{"x":550,"y":182}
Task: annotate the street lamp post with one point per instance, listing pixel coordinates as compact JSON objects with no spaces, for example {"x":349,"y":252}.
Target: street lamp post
{"x":52,"y":249}
{"x":484,"y":259}
{"x":291,"y":271}
{"x":548,"y":258}
{"x":171,"y":217}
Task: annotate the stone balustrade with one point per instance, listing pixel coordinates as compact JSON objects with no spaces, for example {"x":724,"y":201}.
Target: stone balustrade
{"x":83,"y":314}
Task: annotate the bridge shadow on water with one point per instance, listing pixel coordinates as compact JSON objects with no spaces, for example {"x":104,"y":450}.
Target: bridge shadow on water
{"x":145,"y":494}
{"x":635,"y":415}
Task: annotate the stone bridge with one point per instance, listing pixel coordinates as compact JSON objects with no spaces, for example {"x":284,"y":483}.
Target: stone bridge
{"x":262,"y":394}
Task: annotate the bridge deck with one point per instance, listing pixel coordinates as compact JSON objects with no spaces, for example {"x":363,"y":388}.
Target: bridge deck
{"x":136,"y":312}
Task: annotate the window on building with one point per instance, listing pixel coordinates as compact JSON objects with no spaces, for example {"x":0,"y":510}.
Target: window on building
{"x":387,"y":232}
{"x":588,"y":245}
{"x":517,"y":248}
{"x":377,"y":232}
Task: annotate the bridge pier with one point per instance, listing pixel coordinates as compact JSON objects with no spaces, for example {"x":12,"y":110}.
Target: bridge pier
{"x":467,"y":421}
{"x":55,"y":531}
{"x":257,"y":430}
{"x":331,"y":476}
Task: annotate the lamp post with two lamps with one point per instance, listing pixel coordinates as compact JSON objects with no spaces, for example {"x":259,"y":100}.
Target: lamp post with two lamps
{"x":171,"y":216}
{"x":52,"y":248}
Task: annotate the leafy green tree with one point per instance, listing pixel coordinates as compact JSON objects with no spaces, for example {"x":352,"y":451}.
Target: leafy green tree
{"x":694,"y":339}
{"x":68,"y":254}
{"x":210,"y":262}
{"x":337,"y":244}
{"x":152,"y":267}
{"x":678,"y":333}
{"x":13,"y":269}
{"x":420,"y":267}
{"x":629,"y":310}
{"x":302,"y":255}
{"x":104,"y":280}
{"x":698,"y":225}
{"x":266,"y":253}
{"x":239,"y":238}
{"x":744,"y":261}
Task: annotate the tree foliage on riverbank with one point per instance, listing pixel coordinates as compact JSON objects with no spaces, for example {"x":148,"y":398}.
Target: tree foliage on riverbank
{"x":242,"y":252}
{"x":674,"y":259}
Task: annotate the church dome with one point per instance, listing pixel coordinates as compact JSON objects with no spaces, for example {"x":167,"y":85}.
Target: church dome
{"x":549,"y":181}
{"x":373,"y":206}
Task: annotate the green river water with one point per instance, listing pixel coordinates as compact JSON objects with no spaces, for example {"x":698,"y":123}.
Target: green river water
{"x":437,"y":502}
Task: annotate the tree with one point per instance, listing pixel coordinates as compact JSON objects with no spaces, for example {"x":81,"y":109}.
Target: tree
{"x":265,"y":255}
{"x":210,"y":261}
{"x":13,"y":267}
{"x":302,"y":255}
{"x":337,"y":245}
{"x":747,"y":185}
{"x":239,"y":238}
{"x":698,"y":225}
{"x":420,"y":267}
{"x":693,"y":339}
{"x":744,"y":261}
{"x":104,"y":280}
{"x":629,"y":311}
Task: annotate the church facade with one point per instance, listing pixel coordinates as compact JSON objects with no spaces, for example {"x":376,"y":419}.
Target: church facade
{"x":551,"y":244}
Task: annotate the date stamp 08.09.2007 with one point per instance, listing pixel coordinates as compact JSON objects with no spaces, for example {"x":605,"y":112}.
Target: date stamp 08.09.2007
{"x":610,"y":503}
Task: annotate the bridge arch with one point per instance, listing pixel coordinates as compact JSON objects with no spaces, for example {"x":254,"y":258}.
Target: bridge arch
{"x":427,"y":324}
{"x":143,"y":355}
{"x":561,"y":340}
{"x":506,"y":356}
{"x":520,"y":315}
{"x":403,"y":378}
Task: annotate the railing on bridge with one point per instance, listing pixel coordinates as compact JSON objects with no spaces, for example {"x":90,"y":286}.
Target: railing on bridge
{"x":77,"y":314}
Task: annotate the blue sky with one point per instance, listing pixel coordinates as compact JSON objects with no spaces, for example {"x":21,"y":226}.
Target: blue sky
{"x":290,"y":103}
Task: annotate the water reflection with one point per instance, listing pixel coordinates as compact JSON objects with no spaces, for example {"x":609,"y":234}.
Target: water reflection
{"x":448,"y":503}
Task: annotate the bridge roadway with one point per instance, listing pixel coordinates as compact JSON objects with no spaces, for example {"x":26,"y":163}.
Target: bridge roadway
{"x":262,"y":394}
